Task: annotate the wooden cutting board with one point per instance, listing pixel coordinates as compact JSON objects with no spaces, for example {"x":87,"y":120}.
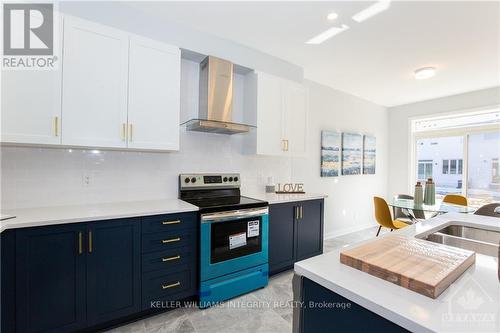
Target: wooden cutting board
{"x":422,"y":266}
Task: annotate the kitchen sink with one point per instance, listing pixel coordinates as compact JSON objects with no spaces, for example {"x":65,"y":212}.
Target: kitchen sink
{"x":474,"y":239}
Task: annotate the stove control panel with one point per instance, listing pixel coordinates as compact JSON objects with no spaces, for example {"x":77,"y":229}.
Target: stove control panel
{"x":209,"y":180}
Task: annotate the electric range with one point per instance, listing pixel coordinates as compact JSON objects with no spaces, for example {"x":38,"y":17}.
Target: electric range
{"x":233,"y":236}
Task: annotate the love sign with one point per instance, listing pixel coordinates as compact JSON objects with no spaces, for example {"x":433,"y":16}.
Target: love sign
{"x":290,"y":188}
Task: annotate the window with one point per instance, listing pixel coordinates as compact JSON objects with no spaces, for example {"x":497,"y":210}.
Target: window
{"x":446,"y":166}
{"x":424,"y":169}
{"x":449,"y":150}
{"x":449,"y":139}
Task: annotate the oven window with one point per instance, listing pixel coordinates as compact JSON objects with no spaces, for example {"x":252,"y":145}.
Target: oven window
{"x":233,"y":239}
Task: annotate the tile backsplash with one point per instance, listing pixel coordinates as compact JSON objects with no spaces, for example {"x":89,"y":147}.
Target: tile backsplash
{"x":35,"y":177}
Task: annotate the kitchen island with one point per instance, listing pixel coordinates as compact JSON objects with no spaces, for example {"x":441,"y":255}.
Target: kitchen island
{"x":347,"y":299}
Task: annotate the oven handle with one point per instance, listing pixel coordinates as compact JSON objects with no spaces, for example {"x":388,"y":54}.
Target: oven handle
{"x":234,"y":215}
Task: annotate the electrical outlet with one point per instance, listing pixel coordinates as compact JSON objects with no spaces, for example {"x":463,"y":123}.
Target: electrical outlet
{"x":86,"y":179}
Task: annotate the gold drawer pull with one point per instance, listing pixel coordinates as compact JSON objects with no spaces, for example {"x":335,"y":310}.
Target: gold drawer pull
{"x":170,"y":258}
{"x":165,"y":241}
{"x":171,"y":222}
{"x":171,"y":285}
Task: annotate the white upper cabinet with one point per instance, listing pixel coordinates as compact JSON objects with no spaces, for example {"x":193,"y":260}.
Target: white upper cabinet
{"x":153,"y":95}
{"x":94,"y":94}
{"x":31,"y":106}
{"x":296,"y":105}
{"x":281,"y":109}
{"x":270,"y":115}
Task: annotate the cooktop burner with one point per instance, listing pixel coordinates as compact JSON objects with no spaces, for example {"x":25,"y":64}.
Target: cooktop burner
{"x":215,"y":192}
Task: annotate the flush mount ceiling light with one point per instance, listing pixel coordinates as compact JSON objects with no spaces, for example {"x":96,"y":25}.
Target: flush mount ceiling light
{"x":327,"y":34}
{"x":425,"y":73}
{"x":332,"y":16}
{"x":373,"y":10}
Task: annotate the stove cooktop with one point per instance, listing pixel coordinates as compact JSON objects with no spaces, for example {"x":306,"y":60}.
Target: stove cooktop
{"x":225,"y":203}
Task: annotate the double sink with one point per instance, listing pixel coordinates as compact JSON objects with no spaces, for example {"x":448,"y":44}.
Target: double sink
{"x":474,"y":239}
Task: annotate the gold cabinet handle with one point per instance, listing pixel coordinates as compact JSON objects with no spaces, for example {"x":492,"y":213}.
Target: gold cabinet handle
{"x":130,"y":132}
{"x":170,"y":258}
{"x":56,"y":126}
{"x":80,"y":241}
{"x":297,"y":216}
{"x":285,"y":145}
{"x":90,"y":241}
{"x":171,"y":222}
{"x":301,"y":212}
{"x":172,"y":240}
{"x":171,"y":285}
{"x":124,"y":132}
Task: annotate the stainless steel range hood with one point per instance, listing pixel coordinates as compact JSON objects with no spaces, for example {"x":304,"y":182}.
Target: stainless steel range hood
{"x":216,"y":99}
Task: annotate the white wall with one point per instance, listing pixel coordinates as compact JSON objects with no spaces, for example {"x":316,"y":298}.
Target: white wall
{"x":349,"y":205}
{"x":399,"y":127}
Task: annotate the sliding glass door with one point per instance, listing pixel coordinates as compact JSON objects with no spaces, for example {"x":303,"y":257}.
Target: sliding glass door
{"x":483,"y":178}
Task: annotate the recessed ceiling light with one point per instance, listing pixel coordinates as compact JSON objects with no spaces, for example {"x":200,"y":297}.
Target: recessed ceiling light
{"x":327,"y":34}
{"x":425,"y":73}
{"x":373,"y":10}
{"x":332,"y":16}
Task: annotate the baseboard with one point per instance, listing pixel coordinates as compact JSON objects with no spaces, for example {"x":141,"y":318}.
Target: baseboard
{"x":345,"y":231}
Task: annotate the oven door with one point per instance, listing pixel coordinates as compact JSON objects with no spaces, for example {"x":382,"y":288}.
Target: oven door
{"x":232,"y":241}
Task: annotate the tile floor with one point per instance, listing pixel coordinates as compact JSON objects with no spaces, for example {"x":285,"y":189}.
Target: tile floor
{"x":266,"y":310}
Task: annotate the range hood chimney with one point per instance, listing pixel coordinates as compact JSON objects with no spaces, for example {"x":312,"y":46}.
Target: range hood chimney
{"x":216,"y":99}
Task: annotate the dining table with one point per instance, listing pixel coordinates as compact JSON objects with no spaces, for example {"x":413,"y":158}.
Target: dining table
{"x":421,"y":211}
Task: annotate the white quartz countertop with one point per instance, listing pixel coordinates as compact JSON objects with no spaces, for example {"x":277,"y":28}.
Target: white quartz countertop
{"x":40,"y":216}
{"x":274,"y":198}
{"x":470,"y":304}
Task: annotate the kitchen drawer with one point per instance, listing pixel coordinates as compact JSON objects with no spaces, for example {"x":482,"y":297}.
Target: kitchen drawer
{"x":168,"y":259}
{"x":159,"y":223}
{"x":168,"y":240}
{"x":158,"y":286}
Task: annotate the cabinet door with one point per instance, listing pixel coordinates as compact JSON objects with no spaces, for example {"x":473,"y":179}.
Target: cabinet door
{"x":31,"y":105}
{"x":95,"y":84}
{"x":270,"y":121}
{"x":154,"y":95}
{"x":281,"y":236}
{"x":50,"y":279}
{"x":309,"y":229}
{"x":113,"y":269}
{"x":296,"y":105}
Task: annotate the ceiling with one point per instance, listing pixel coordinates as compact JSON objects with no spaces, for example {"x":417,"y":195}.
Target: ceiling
{"x":374,"y":59}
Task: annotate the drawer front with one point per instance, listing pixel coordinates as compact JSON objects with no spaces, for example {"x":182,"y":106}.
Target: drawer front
{"x":163,"y":241}
{"x":168,"y":259}
{"x":160,"y":223}
{"x":158,"y":286}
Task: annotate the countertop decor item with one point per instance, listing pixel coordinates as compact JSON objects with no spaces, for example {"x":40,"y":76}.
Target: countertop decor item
{"x":430,"y":192}
{"x":330,"y":153}
{"x":369,"y":154}
{"x":290,"y":188}
{"x":415,"y":264}
{"x":352,"y":153}
{"x":270,"y":187}
{"x":418,"y":196}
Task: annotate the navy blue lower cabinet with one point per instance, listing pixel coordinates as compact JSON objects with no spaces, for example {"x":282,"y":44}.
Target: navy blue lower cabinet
{"x":295,"y":233}
{"x":326,"y":311}
{"x":281,"y":236}
{"x":113,"y":269}
{"x":50,"y":279}
{"x":309,"y":228}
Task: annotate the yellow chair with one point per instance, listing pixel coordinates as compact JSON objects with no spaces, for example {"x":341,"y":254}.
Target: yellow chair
{"x":383,"y":216}
{"x":455,"y":199}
